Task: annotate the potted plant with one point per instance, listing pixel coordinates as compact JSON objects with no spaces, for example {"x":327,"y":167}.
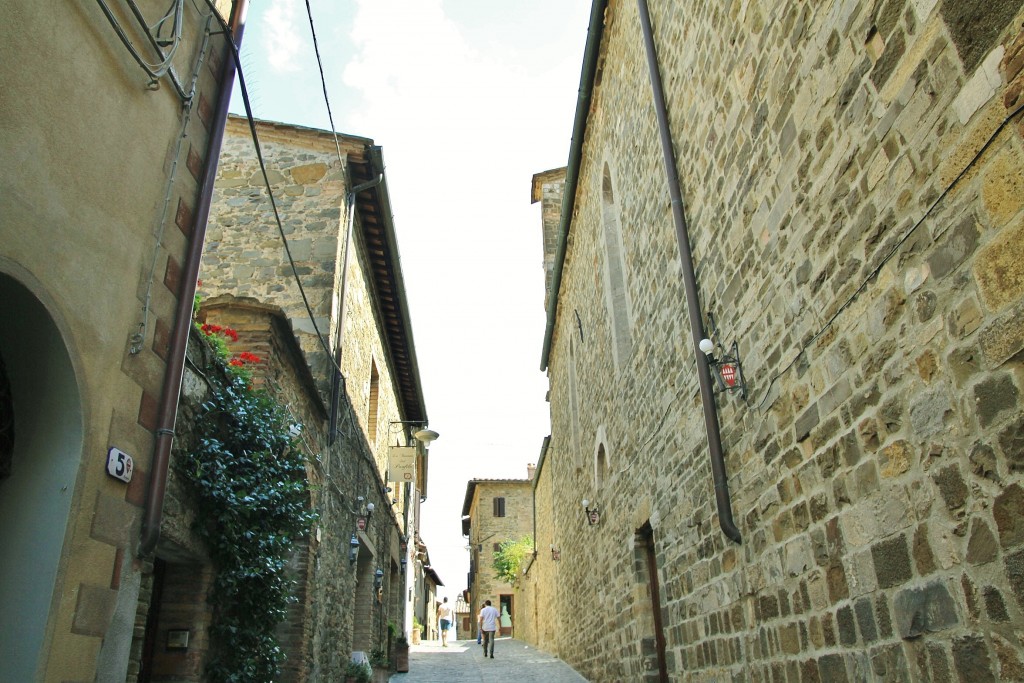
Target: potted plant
{"x":358,"y":672}
{"x":417,"y":629}
{"x":401,"y":654}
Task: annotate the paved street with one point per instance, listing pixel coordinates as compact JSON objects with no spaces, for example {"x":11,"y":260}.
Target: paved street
{"x":463,"y":662}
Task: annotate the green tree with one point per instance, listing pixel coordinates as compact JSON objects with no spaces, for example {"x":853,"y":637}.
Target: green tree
{"x":510,"y":555}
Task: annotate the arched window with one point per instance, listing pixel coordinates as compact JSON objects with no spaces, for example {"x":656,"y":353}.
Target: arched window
{"x":574,"y":401}
{"x":601,"y":466}
{"x":616,"y":293}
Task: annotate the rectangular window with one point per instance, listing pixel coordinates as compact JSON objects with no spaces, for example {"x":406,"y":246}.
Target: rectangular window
{"x":497,"y":547}
{"x":499,"y":507}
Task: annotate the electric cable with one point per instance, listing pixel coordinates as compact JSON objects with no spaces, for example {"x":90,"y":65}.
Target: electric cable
{"x":877,"y":269}
{"x":323,"y":80}
{"x":273,"y":202}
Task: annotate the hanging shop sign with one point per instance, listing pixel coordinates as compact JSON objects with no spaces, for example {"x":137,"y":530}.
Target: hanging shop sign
{"x":402,"y":466}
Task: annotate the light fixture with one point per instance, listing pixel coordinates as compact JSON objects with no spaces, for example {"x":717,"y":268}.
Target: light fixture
{"x":556,"y":554}
{"x":353,"y":549}
{"x":726,"y":368}
{"x":426,"y":436}
{"x":422,"y":434}
{"x":593,"y":513}
{"x":378,"y":579}
{"x":404,"y":562}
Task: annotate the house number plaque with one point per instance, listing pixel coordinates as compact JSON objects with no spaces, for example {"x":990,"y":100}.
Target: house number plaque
{"x":120,"y":465}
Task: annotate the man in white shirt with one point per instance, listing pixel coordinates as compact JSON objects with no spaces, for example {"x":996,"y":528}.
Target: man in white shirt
{"x":444,"y":620}
{"x":489,"y":625}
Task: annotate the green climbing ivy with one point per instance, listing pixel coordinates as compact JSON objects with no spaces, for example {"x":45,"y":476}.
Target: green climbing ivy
{"x":249,"y":481}
{"x":510,"y":556}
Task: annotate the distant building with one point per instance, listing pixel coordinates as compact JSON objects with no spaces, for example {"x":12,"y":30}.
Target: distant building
{"x":494,"y":511}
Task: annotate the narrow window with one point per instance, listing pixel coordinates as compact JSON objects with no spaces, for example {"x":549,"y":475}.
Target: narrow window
{"x":497,"y":547}
{"x":499,"y":507}
{"x":601,"y":466}
{"x":574,"y":402}
{"x":371,"y":411}
{"x":616,"y":294}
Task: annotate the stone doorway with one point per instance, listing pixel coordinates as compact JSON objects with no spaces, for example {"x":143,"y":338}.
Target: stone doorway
{"x":41,"y":439}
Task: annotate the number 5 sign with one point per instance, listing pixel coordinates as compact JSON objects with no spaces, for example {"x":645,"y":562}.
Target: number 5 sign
{"x":119,"y":465}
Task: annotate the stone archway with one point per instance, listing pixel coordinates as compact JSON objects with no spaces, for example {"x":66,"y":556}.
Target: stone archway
{"x":45,"y":451}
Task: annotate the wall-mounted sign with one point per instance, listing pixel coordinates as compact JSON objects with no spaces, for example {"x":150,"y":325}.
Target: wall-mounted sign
{"x":120,"y":465}
{"x":177,"y":639}
{"x":361,"y":523}
{"x":402,"y":465}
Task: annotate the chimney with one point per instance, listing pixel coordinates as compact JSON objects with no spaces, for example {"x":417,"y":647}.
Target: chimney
{"x":531,"y":469}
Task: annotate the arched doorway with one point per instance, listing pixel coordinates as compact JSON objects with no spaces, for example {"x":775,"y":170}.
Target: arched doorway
{"x":44,"y":445}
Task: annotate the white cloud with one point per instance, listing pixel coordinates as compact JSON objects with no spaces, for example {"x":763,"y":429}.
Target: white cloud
{"x":282,"y":39}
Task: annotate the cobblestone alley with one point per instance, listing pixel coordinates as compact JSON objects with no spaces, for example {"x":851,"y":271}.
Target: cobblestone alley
{"x":463,"y":662}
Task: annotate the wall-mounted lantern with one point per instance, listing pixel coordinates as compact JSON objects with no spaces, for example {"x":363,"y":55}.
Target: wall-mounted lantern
{"x":726,"y":368}
{"x":593,"y":513}
{"x":353,"y":549}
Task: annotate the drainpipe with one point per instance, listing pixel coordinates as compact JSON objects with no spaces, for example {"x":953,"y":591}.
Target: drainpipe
{"x":707,"y":396}
{"x":168,"y":406}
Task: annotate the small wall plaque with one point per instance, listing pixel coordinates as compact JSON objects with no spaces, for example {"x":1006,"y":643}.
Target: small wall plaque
{"x":177,"y":639}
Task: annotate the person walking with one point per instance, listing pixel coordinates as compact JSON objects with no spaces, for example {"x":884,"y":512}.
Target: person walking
{"x":480,"y":631}
{"x":444,"y":618}
{"x":489,"y":625}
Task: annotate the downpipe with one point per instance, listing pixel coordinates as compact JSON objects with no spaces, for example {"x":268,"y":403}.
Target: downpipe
{"x":707,"y":395}
{"x":168,"y":405}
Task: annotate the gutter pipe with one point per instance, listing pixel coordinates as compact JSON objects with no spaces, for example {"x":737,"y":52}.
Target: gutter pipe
{"x":690,"y":285}
{"x":168,"y":406}
{"x":572,"y":171}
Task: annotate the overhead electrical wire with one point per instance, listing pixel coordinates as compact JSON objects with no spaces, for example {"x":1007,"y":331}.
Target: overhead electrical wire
{"x":273,"y":202}
{"x":323,"y":80}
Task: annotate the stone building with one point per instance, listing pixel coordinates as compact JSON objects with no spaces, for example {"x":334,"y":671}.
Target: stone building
{"x":846,"y":180}
{"x":109,"y":134}
{"x":350,"y":324}
{"x":425,"y":584}
{"x":494,"y":511}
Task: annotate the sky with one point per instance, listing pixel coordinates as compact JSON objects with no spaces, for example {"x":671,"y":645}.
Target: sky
{"x":469,"y":99}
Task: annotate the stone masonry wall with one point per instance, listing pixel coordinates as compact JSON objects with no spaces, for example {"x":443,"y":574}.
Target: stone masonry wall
{"x":548,"y":188}
{"x":537,"y":592}
{"x":245,"y":256}
{"x":851,"y":174}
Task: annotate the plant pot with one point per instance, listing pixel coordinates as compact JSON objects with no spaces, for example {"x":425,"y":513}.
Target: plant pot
{"x":381,"y":675}
{"x":401,"y":657}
